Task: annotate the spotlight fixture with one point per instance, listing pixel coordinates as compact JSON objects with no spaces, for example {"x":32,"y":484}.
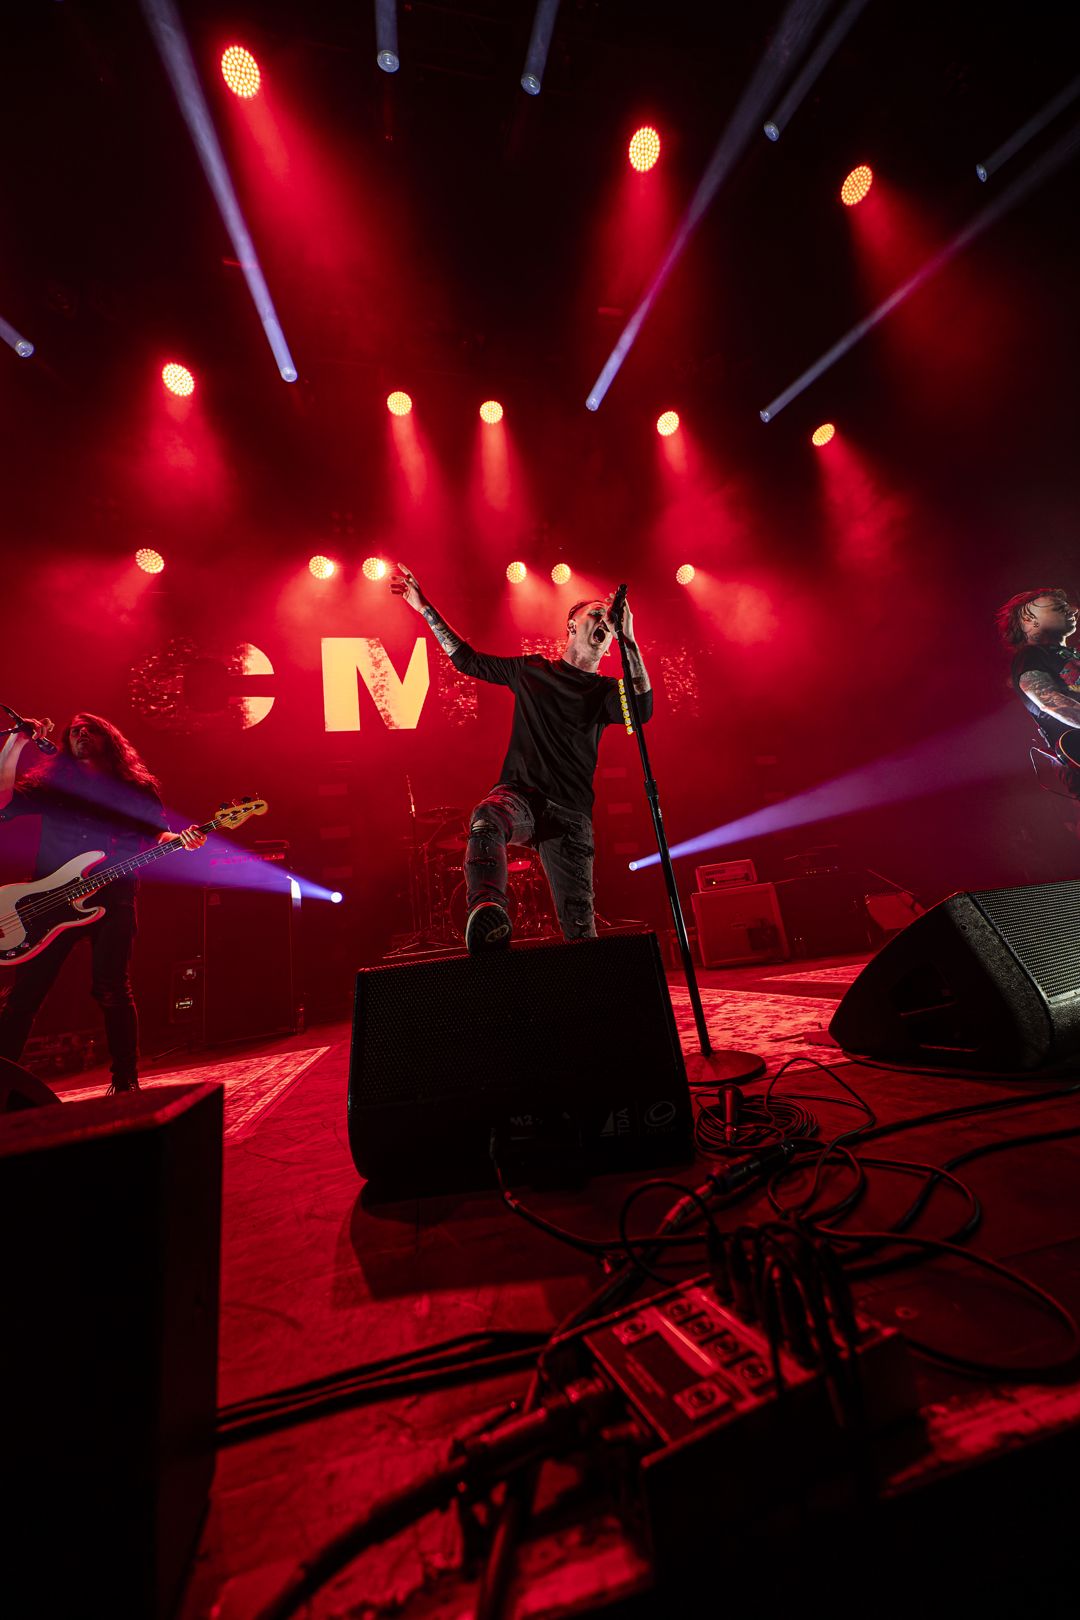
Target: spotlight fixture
{"x":398,"y":404}
{"x":178,"y":379}
{"x":532,"y":74}
{"x":150,"y":561}
{"x":322,"y":567}
{"x":491,"y":411}
{"x":373,"y":568}
{"x":240,"y":71}
{"x":667,"y":424}
{"x":560,"y":574}
{"x":856,"y":185}
{"x":685,"y":574}
{"x":22,"y":345}
{"x":516,"y":572}
{"x":644,"y":149}
{"x":386,"y":38}
{"x":336,"y":897}
{"x":822,"y":435}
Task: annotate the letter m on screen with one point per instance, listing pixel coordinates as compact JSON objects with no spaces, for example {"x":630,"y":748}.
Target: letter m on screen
{"x":349,"y":660}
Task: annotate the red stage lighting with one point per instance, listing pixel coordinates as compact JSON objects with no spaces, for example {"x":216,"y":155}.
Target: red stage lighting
{"x":685,"y":574}
{"x":822,"y":435}
{"x":667,"y":424}
{"x":398,"y":404}
{"x":151,"y":562}
{"x":856,"y":185}
{"x":560,"y":574}
{"x":322,"y":567}
{"x":178,"y":379}
{"x":644,"y":149}
{"x":516,"y":572}
{"x":241,"y":73}
{"x":491,"y":411}
{"x":374,"y":568}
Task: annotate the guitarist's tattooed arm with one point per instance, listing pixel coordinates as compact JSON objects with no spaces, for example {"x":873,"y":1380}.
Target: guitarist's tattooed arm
{"x":1042,"y":689}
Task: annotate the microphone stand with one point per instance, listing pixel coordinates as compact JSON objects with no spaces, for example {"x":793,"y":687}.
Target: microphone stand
{"x":713,"y":1067}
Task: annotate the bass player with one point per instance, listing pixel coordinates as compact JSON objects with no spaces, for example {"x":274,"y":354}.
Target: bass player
{"x":94,"y":792}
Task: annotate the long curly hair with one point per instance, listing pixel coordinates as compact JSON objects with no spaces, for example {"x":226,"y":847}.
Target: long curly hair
{"x":122,"y":757}
{"x":1009,"y":617}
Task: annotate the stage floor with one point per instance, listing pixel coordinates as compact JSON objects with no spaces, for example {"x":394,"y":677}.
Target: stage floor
{"x":315,"y":1282}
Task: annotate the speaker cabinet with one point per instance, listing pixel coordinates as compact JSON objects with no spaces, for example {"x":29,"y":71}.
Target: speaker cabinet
{"x":111,"y":1213}
{"x":825,"y":913}
{"x":739,"y":924}
{"x":567,"y":1052}
{"x":248,"y":979}
{"x":986,"y":980}
{"x":21,"y":1089}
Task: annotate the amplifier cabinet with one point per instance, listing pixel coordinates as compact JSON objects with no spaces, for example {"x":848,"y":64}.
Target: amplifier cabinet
{"x":740,"y":924}
{"x":248,"y":954}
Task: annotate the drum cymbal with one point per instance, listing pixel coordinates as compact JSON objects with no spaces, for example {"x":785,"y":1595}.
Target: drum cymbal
{"x":519,"y":858}
{"x":441,"y":812}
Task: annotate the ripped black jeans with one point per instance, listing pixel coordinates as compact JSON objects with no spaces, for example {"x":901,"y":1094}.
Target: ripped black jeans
{"x":564,"y":839}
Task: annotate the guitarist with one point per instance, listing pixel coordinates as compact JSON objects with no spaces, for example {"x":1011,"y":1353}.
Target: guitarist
{"x":1036,"y":626}
{"x":93,"y":793}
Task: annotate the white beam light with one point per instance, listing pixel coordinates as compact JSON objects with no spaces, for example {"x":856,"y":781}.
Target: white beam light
{"x":167,"y":30}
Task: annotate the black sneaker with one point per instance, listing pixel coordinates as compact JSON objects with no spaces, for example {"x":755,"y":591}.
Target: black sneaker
{"x":118,"y":1087}
{"x":488,"y":928}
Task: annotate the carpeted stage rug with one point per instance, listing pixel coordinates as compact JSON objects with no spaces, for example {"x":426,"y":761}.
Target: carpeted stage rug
{"x":252,"y":1084}
{"x":775,"y":1026}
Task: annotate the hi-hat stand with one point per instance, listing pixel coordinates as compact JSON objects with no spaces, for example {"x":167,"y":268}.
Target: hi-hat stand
{"x":709,"y":1066}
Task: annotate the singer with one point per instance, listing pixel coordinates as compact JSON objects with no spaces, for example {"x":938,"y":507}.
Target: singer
{"x":544,"y":794}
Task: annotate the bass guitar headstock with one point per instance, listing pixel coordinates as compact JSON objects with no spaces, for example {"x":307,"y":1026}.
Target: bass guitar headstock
{"x":235,"y":814}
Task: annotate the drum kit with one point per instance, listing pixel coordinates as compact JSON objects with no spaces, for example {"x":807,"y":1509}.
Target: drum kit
{"x":437,"y":890}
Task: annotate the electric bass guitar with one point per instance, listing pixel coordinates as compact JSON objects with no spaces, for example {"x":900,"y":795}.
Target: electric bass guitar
{"x":32,"y":914}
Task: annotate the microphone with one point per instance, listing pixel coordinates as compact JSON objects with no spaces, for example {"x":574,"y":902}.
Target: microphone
{"x":615,"y":612}
{"x":26,"y":727}
{"x":732,"y":1099}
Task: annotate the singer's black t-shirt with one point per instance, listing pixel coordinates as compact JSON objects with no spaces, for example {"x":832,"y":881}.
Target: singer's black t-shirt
{"x":83,"y":810}
{"x":560,"y":712}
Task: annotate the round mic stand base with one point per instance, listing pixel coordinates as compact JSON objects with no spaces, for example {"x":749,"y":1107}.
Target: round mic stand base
{"x":722,"y":1068}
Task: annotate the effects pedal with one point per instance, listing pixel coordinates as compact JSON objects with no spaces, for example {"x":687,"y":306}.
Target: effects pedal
{"x":722,"y":1445}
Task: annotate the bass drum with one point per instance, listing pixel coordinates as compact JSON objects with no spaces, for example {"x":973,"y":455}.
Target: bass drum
{"x":528,"y":898}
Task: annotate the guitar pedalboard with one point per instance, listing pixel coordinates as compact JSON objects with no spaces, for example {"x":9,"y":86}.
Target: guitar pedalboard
{"x":718,"y":1444}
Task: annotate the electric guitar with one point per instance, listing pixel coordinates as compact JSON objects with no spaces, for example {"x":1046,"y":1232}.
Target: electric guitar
{"x":32,"y":914}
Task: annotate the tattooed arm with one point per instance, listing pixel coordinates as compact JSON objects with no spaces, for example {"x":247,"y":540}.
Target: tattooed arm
{"x":403,"y":583}
{"x":638,"y":673}
{"x":1042,"y":689}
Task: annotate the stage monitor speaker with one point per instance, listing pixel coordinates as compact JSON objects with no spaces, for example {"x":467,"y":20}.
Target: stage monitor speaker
{"x":987,"y":980}
{"x":20,"y":1089}
{"x":569,"y":1053}
{"x":111,"y":1214}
